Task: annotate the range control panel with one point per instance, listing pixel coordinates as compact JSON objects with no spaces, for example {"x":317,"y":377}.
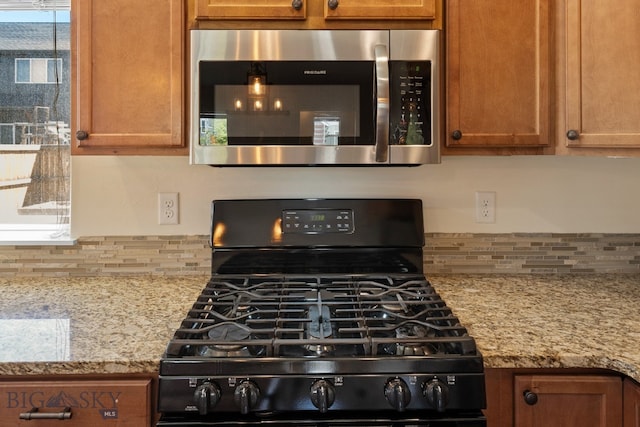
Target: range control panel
{"x":315,"y":221}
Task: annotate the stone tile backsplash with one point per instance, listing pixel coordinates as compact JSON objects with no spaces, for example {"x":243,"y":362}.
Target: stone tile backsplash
{"x":517,"y":253}
{"x":110,"y":256}
{"x":532,"y":253}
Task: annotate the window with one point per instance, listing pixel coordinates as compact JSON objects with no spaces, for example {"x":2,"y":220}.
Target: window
{"x":35,"y":117}
{"x":38,"y":70}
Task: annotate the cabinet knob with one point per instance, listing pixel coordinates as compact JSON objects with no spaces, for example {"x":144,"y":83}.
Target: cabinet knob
{"x":530,"y":398}
{"x":296,"y":4}
{"x":81,"y":135}
{"x":456,"y":134}
{"x":573,"y":134}
{"x":333,"y":4}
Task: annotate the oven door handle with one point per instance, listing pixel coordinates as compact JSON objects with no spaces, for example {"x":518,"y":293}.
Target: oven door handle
{"x":382,"y":103}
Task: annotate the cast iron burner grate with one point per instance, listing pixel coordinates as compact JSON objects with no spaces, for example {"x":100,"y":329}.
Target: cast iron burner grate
{"x":320,"y":316}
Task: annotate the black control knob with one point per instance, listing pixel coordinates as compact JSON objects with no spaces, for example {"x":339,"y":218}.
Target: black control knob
{"x":333,"y":4}
{"x":436,"y":393}
{"x":81,"y":135}
{"x":206,"y":396}
{"x":530,"y":398}
{"x":323,"y":394}
{"x":573,"y":134}
{"x":246,"y":396}
{"x":296,"y":4}
{"x":397,"y":393}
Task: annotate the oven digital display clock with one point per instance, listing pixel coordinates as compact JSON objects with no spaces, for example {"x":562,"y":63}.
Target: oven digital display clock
{"x":315,"y":221}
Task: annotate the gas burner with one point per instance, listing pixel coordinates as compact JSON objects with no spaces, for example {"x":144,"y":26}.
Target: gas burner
{"x":411,"y":331}
{"x":409,"y":339}
{"x":389,"y":310}
{"x":229,"y":340}
{"x":319,"y":328}
{"x":319,"y":350}
{"x":421,"y":348}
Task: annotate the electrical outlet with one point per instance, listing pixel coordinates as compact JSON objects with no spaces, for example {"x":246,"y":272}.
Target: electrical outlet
{"x":486,"y":206}
{"x":168,"y":208}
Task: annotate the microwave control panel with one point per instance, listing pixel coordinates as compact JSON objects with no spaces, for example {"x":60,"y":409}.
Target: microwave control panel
{"x":410,"y":109}
{"x":315,"y":221}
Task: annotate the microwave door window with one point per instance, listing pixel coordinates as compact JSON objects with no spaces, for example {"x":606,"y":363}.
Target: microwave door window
{"x":312,"y":110}
{"x":290,"y":115}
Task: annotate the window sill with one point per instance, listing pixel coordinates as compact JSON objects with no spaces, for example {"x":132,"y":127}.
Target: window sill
{"x":35,"y":235}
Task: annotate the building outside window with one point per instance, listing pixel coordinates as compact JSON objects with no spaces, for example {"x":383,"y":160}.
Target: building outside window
{"x":38,"y":70}
{"x":35,"y":115}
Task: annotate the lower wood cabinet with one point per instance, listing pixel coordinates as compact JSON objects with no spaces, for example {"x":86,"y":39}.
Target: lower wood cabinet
{"x":631,"y":403}
{"x":561,"y":398}
{"x":80,"y":403}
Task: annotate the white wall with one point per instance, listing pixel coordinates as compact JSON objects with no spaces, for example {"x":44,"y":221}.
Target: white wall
{"x":117,"y":195}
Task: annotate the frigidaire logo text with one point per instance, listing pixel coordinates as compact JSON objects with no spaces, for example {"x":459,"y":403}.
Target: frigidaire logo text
{"x":315,"y":72}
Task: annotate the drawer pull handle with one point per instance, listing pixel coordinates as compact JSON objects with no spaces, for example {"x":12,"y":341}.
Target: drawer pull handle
{"x":34,"y":414}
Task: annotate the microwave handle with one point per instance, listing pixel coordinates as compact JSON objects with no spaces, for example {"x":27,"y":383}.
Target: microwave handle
{"x":382,"y":103}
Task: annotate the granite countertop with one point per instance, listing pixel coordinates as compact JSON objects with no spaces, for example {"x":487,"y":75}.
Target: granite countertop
{"x":90,"y":325}
{"x":590,"y":321}
{"x":122,"y":324}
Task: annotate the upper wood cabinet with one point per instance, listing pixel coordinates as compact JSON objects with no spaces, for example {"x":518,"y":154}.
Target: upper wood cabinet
{"x":127,"y":77}
{"x":561,"y":400}
{"x":376,"y":9}
{"x":498,"y":76}
{"x":538,"y":76}
{"x":599,"y":58}
{"x":333,"y":9}
{"x":248,"y":9}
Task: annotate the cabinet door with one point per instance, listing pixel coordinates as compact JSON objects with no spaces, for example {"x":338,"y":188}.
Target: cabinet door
{"x":631,"y":404}
{"x":376,"y":9}
{"x":602,"y":84}
{"x":499,"y":387}
{"x":125,"y":403}
{"x":127,"y":76}
{"x":498,"y":73}
{"x":251,"y":9}
{"x":567,"y":401}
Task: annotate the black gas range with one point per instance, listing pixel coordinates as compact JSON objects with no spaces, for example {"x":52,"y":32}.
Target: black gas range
{"x":318,"y":313}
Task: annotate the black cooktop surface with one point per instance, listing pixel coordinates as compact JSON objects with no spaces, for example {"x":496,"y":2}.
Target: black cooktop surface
{"x":319,"y":316}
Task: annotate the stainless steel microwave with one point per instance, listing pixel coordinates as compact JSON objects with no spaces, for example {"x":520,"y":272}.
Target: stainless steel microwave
{"x":315,"y":97}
